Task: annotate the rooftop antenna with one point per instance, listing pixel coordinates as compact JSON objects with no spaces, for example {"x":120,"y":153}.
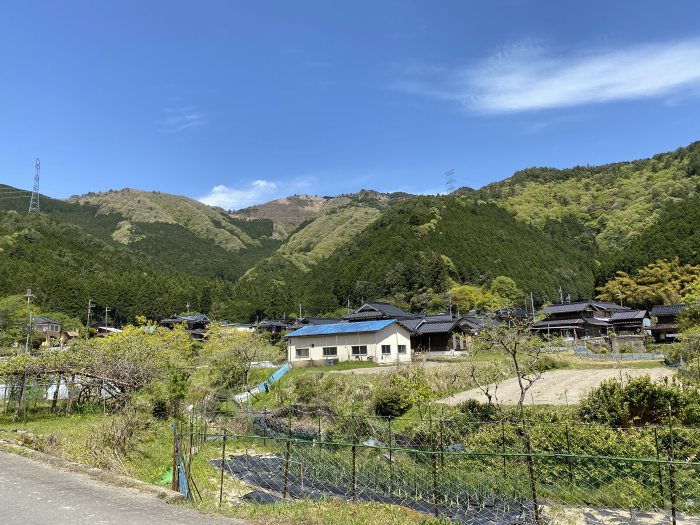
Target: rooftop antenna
{"x":34,"y":203}
{"x":450,"y":181}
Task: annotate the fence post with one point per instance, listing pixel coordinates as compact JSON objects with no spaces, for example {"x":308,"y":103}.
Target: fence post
{"x":658,"y":465}
{"x":503,"y":445}
{"x":175,"y":482}
{"x":285,"y":491}
{"x":671,"y":467}
{"x":433,"y":460}
{"x":223,"y":465}
{"x":531,"y":473}
{"x":568,"y":458}
{"x":391,"y":459}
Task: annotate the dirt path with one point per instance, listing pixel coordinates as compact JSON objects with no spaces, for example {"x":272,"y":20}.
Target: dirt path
{"x":558,"y":386}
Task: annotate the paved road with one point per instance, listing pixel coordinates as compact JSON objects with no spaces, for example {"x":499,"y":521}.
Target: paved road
{"x":557,"y":387}
{"x":34,"y":493}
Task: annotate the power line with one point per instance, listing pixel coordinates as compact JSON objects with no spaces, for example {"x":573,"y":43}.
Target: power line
{"x":34,"y":203}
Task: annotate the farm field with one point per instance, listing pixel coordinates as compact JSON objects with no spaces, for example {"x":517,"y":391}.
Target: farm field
{"x":558,"y":387}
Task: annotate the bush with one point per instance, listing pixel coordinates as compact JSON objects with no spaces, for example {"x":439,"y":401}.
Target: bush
{"x":476,"y":411}
{"x":547,"y":362}
{"x":637,"y":402}
{"x":391,"y":402}
{"x":306,"y":388}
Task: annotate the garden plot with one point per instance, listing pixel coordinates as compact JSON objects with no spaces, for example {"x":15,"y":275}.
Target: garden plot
{"x":557,"y":387}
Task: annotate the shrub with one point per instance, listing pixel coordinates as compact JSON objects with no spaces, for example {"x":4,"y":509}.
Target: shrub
{"x":477,"y":411}
{"x":306,"y":388}
{"x":547,"y":362}
{"x":391,"y":402}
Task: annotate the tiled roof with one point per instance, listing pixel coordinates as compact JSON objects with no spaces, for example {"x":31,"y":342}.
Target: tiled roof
{"x":630,"y":315}
{"x":436,"y":328}
{"x":342,"y":328}
{"x":557,"y":323}
{"x":412,"y":324}
{"x":668,"y":309}
{"x":44,"y":320}
{"x":566,"y":308}
{"x":377,"y":310}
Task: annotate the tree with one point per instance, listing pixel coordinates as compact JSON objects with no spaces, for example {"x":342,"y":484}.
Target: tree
{"x":231,"y":354}
{"x":505,"y":288}
{"x":469,"y":297}
{"x":523,"y":350}
{"x":661,"y":282}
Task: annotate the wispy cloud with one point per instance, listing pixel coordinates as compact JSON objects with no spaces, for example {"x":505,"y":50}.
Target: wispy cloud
{"x":528,"y":77}
{"x":179,"y":119}
{"x":232,"y":198}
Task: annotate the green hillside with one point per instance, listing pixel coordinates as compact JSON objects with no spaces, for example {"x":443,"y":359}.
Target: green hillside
{"x":419,"y":244}
{"x":615,"y":202}
{"x":65,"y":266}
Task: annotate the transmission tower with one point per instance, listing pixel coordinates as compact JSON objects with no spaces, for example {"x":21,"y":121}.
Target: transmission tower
{"x":34,"y":203}
{"x":450,"y":180}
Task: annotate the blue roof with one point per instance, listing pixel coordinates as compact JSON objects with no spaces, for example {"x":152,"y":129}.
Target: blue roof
{"x":342,"y":328}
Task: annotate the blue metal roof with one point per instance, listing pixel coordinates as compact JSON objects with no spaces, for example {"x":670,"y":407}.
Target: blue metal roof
{"x":342,"y":328}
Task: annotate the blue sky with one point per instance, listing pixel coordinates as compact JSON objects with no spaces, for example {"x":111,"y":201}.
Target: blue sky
{"x":237,"y":102}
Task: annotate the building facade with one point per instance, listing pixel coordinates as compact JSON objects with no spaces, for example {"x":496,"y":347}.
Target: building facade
{"x":383,"y":341}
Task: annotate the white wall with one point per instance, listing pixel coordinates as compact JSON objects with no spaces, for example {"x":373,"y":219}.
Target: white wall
{"x":392,"y":335}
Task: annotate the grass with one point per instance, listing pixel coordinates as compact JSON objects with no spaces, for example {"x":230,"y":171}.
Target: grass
{"x":293,"y":512}
{"x":76,"y":438}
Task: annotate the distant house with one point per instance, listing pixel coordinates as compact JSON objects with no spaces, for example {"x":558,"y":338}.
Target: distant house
{"x":578,"y":320}
{"x":374,"y":311}
{"x":49,"y":328}
{"x":631,"y":322}
{"x":665,"y":328}
{"x":239,"y":327}
{"x":273,"y":326}
{"x":312,"y":321}
{"x":196,"y":324}
{"x":443,"y":334}
{"x":104,"y":331}
{"x":381,"y":341}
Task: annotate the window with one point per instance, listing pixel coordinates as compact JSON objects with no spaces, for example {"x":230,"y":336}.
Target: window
{"x":302,"y":353}
{"x":330,"y":351}
{"x":386,"y":349}
{"x":359,"y":350}
{"x":402,"y":349}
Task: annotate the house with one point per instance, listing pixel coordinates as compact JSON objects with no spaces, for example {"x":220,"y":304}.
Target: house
{"x":381,"y":341}
{"x":665,"y":328}
{"x":374,"y":311}
{"x":49,"y":328}
{"x":196,"y":324}
{"x":104,"y":331}
{"x":630,"y":322}
{"x":312,"y":321}
{"x":578,"y":319}
{"x":273,"y":326}
{"x":238,"y":327}
{"x":444,"y":334}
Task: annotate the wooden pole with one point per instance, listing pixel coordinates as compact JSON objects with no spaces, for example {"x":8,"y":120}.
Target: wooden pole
{"x":223,"y":465}
{"x":174,"y":484}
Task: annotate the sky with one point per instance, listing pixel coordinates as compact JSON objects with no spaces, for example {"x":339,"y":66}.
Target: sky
{"x":239,"y":102}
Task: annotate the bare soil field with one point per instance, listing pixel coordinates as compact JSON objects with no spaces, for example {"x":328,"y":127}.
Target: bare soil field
{"x":557,"y":387}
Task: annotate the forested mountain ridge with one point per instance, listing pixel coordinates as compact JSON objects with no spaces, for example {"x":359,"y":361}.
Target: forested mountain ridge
{"x":418,"y":248}
{"x":289,"y":214}
{"x":208,"y":222}
{"x":615,"y":202}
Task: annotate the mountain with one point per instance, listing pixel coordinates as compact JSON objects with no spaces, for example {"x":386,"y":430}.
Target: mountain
{"x":418,"y":245}
{"x":613,"y":202}
{"x":289,"y":214}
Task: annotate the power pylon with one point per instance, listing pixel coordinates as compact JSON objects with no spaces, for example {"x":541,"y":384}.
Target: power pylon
{"x":450,"y":181}
{"x":34,"y":203}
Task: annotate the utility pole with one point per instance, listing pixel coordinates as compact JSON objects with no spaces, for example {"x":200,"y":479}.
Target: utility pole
{"x":91,"y":305}
{"x":187,"y":307}
{"x":561,"y":296}
{"x":532,"y":304}
{"x":107,"y":310}
{"x":299,"y":310}
{"x":29,"y":295}
{"x":34,"y":203}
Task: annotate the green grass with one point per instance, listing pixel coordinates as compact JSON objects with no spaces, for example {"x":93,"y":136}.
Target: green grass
{"x":293,"y":512}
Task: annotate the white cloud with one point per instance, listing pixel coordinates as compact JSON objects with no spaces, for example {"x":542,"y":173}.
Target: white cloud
{"x":180,"y":119}
{"x":235,"y":198}
{"x":531,"y":77}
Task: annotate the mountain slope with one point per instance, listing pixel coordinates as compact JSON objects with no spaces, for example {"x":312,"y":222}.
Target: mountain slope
{"x":615,"y":202}
{"x":419,"y":244}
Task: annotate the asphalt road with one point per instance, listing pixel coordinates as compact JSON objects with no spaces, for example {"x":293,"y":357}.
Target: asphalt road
{"x":34,"y":493}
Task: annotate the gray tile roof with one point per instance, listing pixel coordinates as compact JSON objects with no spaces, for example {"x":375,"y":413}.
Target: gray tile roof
{"x":630,"y":315}
{"x":668,"y":309}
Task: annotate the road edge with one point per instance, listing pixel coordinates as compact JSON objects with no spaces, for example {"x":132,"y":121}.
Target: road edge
{"x":111,"y":478}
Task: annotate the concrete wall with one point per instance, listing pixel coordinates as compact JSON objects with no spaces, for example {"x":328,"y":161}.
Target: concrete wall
{"x":631,"y":343}
{"x":392,"y":335}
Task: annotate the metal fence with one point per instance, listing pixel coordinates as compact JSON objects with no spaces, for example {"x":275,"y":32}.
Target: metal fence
{"x":494,"y":472}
